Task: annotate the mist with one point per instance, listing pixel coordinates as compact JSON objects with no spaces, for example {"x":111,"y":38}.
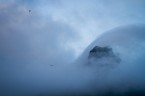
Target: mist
{"x":44,"y":52}
{"x":125,"y":77}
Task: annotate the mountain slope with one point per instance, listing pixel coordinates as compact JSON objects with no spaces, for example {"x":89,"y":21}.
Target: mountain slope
{"x":116,"y":60}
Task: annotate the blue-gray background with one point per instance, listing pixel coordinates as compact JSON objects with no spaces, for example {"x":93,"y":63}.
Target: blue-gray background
{"x":54,"y":33}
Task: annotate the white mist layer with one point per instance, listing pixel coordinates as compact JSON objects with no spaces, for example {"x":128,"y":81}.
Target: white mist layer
{"x":81,"y":78}
{"x":128,"y":43}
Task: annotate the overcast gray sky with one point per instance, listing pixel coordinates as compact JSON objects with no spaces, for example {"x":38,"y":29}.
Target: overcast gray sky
{"x":55,"y":32}
{"x":70,"y":25}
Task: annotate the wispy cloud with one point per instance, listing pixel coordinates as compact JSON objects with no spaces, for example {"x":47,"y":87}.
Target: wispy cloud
{"x":55,"y":32}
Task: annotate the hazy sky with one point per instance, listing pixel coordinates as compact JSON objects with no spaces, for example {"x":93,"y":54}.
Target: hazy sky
{"x":70,"y":25}
{"x":36,"y":35}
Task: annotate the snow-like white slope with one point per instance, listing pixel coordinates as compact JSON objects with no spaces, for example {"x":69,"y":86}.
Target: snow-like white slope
{"x":128,"y":42}
{"x":128,"y":45}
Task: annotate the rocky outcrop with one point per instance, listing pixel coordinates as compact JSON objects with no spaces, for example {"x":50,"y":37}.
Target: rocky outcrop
{"x":103,"y":56}
{"x":99,"y":52}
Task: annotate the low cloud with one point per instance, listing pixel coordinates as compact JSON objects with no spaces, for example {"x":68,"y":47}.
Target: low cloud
{"x":39,"y":48}
{"x":125,"y":77}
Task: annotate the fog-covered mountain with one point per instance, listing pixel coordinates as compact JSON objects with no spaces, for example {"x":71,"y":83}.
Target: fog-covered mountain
{"x":116,"y":60}
{"x":113,"y":64}
{"x":102,"y":56}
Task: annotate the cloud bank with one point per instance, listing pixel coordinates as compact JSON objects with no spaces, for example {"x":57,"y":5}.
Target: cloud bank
{"x":125,"y":77}
{"x":38,"y":47}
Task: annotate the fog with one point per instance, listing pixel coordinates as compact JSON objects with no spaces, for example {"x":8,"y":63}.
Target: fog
{"x":125,"y":77}
{"x":31,"y":76}
{"x":45,"y":51}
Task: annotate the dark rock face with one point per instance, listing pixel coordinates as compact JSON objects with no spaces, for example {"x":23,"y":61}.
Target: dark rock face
{"x":103,"y":56}
{"x":100,"y":49}
{"x":99,"y":52}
